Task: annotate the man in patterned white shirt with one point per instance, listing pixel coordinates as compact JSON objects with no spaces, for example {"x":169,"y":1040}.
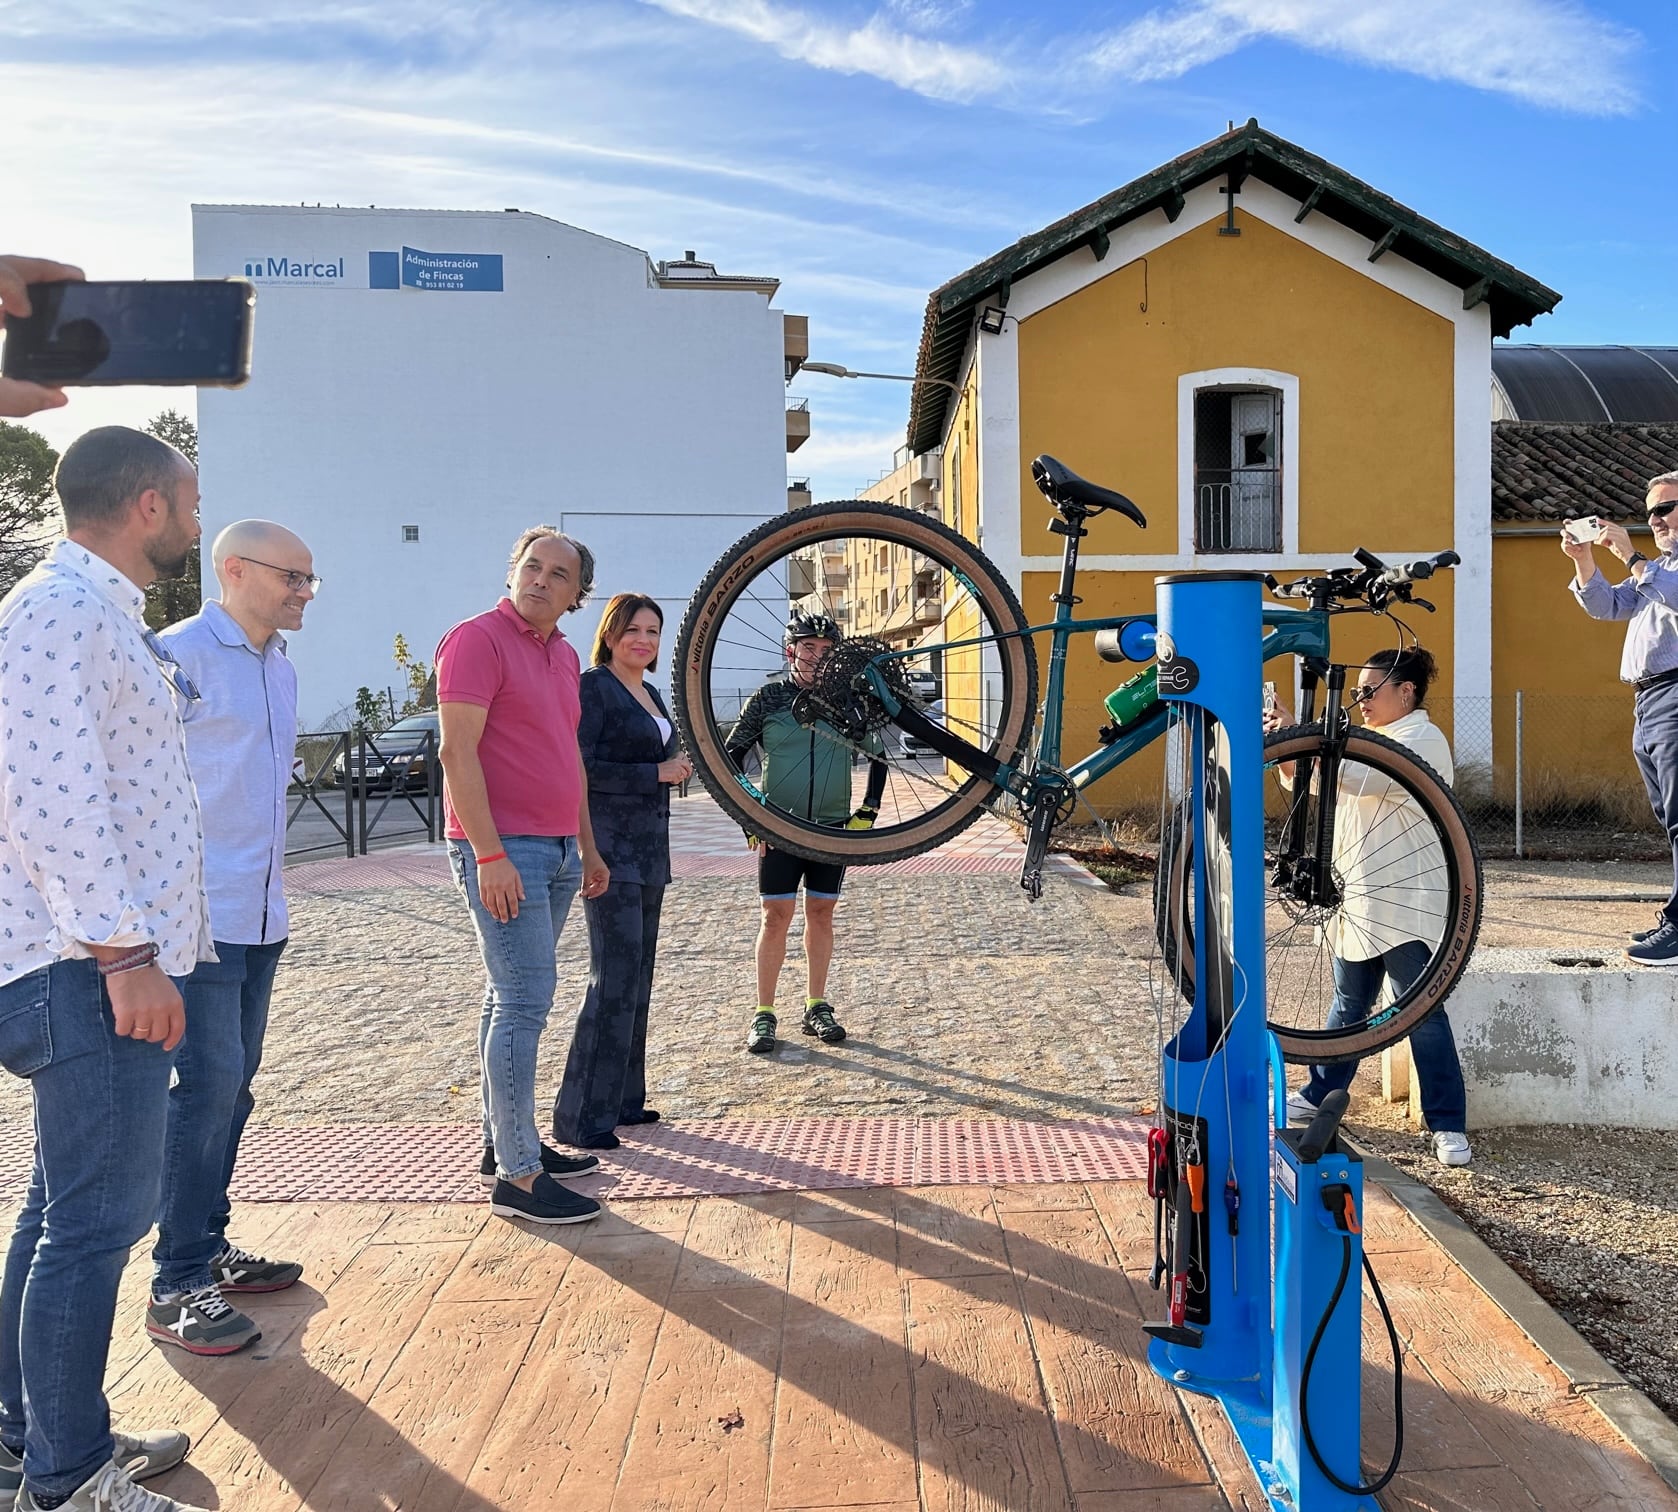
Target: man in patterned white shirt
{"x":102,"y":913}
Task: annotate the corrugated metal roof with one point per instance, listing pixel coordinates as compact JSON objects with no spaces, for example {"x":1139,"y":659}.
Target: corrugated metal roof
{"x":1567,"y":384}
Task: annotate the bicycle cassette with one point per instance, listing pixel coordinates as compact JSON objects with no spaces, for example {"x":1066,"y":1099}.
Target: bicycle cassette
{"x":843,"y":693}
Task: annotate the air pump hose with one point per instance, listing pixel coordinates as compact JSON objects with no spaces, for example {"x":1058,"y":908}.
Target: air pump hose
{"x":1398,"y":1376}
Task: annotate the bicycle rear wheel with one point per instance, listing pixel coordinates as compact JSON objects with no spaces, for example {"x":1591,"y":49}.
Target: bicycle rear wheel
{"x":1419,"y":878}
{"x":917,"y":603}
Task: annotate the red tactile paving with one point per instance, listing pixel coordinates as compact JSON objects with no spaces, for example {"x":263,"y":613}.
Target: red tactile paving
{"x":439,"y":1162}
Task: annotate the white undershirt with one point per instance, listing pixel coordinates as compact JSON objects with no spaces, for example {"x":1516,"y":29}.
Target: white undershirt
{"x":663,"y":728}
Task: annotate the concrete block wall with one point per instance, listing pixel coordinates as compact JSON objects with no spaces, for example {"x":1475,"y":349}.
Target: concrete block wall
{"x":1560,"y":1037}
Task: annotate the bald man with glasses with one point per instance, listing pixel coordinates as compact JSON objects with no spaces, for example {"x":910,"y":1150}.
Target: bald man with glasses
{"x":1648,"y":600}
{"x":241,"y":735}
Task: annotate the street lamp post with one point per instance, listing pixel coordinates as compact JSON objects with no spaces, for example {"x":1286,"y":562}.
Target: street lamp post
{"x":833,"y":370}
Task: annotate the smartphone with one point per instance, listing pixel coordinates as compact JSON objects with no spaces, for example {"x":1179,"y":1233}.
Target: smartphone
{"x":1583,"y":532}
{"x":189,"y":332}
{"x":1269,"y":697}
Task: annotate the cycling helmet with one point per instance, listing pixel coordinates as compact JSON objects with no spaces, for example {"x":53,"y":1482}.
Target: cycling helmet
{"x":812,"y":627}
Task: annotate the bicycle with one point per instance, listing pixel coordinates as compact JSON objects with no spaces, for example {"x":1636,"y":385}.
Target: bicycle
{"x":995,"y":752}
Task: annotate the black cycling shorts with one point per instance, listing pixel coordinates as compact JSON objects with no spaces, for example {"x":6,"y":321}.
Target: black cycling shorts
{"x":779,"y":873}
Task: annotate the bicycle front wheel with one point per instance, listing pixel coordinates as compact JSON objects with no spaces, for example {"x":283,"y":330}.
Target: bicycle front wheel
{"x":1405,"y":872}
{"x":918,"y":606}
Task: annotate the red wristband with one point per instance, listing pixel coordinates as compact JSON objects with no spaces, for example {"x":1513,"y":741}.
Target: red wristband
{"x":500,"y":855}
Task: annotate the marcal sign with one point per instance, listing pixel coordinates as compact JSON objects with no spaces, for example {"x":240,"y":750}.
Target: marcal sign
{"x":291,"y":270}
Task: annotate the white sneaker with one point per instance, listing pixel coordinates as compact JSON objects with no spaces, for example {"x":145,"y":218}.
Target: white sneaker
{"x":1452,"y":1149}
{"x":111,"y":1489}
{"x":1301,"y":1110}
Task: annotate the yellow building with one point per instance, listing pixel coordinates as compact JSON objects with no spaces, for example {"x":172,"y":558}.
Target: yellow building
{"x":1277,"y":362}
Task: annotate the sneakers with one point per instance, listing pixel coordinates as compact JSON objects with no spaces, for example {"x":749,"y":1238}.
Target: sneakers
{"x":546,"y":1202}
{"x":142,"y":1455}
{"x":110,"y":1489}
{"x":1648,"y":934}
{"x":1301,"y":1110}
{"x":237,"y":1270}
{"x":200,"y":1322}
{"x":761,"y":1040}
{"x":1658,"y":948}
{"x":819,"y":1021}
{"x":555,"y":1164}
{"x":1452,"y":1149}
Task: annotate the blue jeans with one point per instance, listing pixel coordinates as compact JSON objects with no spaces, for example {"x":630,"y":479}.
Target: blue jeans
{"x":1433,"y":1048}
{"x":101,"y":1103}
{"x":519,"y":993}
{"x":1654,"y":744}
{"x":209,"y":1105}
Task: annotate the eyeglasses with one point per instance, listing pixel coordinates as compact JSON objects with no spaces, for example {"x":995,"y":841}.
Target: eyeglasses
{"x":1361,"y":694}
{"x":172,"y":669}
{"x":1661,"y":511}
{"x":293,"y":580}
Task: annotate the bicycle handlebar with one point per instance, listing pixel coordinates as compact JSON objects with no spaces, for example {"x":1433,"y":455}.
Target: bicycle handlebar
{"x":1371,"y":580}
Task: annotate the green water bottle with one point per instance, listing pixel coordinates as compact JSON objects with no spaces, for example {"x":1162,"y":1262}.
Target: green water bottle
{"x":1133,"y":697}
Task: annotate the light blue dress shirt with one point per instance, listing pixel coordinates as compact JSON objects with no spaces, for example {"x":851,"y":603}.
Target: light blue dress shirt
{"x":1652,"y":608}
{"x":241,"y":735}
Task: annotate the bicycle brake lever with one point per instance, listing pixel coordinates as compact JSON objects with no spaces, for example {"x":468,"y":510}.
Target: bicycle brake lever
{"x":1422,"y":603}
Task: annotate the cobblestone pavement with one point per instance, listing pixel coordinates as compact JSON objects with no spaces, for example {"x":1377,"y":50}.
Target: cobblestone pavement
{"x":961,"y":998}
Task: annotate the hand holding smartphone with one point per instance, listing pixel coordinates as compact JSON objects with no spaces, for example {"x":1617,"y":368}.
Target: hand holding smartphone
{"x":1585,"y":532}
{"x":195,"y":332}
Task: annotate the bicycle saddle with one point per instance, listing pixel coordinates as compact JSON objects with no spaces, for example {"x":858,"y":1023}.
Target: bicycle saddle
{"x":1063,"y":487}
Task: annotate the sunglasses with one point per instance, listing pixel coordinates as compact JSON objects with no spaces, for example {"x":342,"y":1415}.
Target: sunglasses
{"x":1661,"y":511}
{"x":172,"y":669}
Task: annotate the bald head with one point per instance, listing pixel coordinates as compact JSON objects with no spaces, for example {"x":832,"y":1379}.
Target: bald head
{"x":255,"y":538}
{"x":266,"y":574}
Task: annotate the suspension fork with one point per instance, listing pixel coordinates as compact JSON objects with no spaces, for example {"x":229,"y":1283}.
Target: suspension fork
{"x":1305,"y":862}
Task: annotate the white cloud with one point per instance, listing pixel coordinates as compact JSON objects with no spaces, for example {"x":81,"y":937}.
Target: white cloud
{"x":929,"y":15}
{"x":939,"y":70}
{"x":1551,"y":53}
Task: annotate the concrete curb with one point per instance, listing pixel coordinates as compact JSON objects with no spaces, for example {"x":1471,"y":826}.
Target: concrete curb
{"x":1643,"y":1425}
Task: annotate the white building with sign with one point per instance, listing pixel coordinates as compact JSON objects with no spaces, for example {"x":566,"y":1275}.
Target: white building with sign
{"x":426,"y":384}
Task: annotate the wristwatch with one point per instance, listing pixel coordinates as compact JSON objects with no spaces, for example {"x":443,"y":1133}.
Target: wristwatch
{"x":1635,"y":558}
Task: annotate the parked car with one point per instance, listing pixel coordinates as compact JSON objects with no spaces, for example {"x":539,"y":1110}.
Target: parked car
{"x":395,"y":759}
{"x":913,"y":747}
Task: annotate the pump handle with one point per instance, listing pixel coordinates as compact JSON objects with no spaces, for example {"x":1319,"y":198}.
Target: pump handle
{"x":1318,"y":1138}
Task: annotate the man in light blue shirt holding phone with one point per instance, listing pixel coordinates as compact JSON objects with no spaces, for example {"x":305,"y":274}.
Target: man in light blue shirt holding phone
{"x":241,"y":734}
{"x":1648,"y":601}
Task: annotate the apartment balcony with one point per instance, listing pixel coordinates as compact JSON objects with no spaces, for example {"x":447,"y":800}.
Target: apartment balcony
{"x":928,"y":610}
{"x":798,"y":493}
{"x":795,"y":337}
{"x":798,"y":423}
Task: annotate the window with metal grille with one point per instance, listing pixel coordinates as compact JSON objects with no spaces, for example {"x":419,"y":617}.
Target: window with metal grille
{"x":410,"y":532}
{"x":1237,"y":470}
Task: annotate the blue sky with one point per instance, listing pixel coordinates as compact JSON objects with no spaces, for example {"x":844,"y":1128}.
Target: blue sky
{"x":862,"y":151}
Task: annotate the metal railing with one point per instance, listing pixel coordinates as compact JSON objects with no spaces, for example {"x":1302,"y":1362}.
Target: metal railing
{"x":343,"y":778}
{"x":1238,"y":509}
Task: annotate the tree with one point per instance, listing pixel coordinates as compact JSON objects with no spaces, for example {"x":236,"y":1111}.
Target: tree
{"x":416,"y":678}
{"x":170,"y":600}
{"x":26,"y":500}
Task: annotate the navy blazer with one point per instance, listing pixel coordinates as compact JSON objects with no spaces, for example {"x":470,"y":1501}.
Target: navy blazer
{"x":628,"y":806}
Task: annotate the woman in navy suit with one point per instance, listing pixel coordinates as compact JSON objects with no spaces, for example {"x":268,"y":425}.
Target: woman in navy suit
{"x":630,"y":755}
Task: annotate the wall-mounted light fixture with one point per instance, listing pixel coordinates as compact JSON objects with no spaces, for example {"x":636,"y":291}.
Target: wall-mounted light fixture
{"x":991,"y":318}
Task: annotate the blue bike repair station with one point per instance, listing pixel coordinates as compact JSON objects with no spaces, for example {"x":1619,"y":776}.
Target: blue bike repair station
{"x":1263,"y":1316}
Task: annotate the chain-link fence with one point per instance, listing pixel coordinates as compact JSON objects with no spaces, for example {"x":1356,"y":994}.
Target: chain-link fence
{"x":1551,"y":775}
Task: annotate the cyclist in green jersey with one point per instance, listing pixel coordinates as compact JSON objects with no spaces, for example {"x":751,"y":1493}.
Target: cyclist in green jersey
{"x":806,"y":772}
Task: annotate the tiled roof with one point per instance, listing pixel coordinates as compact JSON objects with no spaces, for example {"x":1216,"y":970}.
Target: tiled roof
{"x":1514,"y":297}
{"x":1543,"y":472}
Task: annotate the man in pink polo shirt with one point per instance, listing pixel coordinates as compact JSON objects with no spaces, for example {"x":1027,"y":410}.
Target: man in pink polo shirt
{"x":515,"y":806}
